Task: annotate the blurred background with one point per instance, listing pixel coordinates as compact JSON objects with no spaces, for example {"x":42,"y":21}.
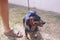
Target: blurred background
{"x":48,"y":5}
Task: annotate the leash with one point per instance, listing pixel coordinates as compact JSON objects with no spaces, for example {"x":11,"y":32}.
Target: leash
{"x":28,"y":5}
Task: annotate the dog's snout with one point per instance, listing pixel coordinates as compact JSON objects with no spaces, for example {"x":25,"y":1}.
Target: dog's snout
{"x":44,"y":22}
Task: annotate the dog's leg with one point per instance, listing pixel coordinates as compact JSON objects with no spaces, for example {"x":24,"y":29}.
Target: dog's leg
{"x":28,"y":36}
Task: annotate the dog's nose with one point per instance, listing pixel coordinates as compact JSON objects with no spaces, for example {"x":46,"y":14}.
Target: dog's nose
{"x":44,"y":22}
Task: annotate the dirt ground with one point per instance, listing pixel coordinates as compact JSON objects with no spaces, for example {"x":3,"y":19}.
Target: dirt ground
{"x":50,"y":31}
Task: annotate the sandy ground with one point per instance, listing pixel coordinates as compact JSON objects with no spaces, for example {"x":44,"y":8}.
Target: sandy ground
{"x":50,"y":31}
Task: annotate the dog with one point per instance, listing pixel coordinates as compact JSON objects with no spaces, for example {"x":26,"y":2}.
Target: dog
{"x":37,"y":21}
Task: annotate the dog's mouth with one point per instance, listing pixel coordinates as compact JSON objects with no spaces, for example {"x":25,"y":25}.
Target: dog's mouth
{"x":42,"y":24}
{"x":39,"y":24}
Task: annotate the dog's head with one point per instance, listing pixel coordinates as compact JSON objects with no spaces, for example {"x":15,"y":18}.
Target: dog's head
{"x":39,"y":22}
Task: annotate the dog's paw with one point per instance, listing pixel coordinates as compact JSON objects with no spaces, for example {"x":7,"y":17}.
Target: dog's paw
{"x":28,"y":36}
